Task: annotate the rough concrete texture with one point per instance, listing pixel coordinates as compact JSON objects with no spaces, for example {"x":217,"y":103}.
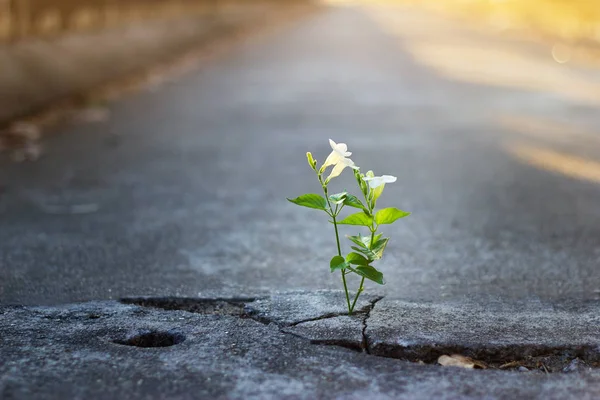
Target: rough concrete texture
{"x":343,"y":330}
{"x":295,"y":307}
{"x":70,"y":352}
{"x":487,"y":329}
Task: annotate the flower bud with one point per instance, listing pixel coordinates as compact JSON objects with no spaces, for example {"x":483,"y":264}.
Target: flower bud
{"x":311,"y":161}
{"x":364,"y":188}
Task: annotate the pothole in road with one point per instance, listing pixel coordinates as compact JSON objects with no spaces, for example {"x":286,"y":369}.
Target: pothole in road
{"x":523,"y":358}
{"x":152,"y":339}
{"x":233,"y":307}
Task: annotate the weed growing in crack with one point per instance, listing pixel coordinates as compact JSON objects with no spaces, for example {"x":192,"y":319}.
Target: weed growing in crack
{"x":367,"y":249}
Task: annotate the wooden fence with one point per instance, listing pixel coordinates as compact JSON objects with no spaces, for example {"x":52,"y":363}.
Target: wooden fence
{"x":42,"y":18}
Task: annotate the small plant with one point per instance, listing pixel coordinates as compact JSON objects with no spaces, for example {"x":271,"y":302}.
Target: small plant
{"x":367,"y":249}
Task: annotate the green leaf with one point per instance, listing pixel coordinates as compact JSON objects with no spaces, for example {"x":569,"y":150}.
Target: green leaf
{"x":378,"y":248}
{"x":362,"y":241}
{"x":375,"y":193}
{"x":360,"y":218}
{"x":338,"y":198}
{"x":353,"y":201}
{"x":389,"y":215}
{"x":311,"y":201}
{"x":356,"y":259}
{"x":337,"y":262}
{"x":368,"y":253}
{"x":371,"y":273}
{"x":376,"y":238}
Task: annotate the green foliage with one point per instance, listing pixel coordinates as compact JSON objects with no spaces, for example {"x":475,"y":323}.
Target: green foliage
{"x":375,"y":194}
{"x":362,"y":241}
{"x":353,"y":201}
{"x":378,"y":247}
{"x":370,"y":273}
{"x":356,"y":259}
{"x":338,"y":198}
{"x":389,"y":215}
{"x":366,"y":249}
{"x":360,"y":218}
{"x":337,"y":262}
{"x":367,"y":252}
{"x":371,"y":252}
{"x":311,"y":201}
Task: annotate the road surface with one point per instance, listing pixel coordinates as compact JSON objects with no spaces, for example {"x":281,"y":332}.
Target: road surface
{"x":181,"y":192}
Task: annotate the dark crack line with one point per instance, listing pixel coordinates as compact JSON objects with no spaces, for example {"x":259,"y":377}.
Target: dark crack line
{"x":363,"y":311}
{"x":321,"y":317}
{"x":365,"y":340}
{"x":323,"y":342}
{"x":362,"y":346}
{"x":188,"y":300}
{"x":266,"y":321}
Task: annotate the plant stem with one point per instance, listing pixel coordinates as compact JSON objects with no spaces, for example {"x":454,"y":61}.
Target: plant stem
{"x":360,"y":289}
{"x":362,"y":281}
{"x":372,"y":238}
{"x":339,"y":248}
{"x":337,"y":239}
{"x":373,"y":230}
{"x":337,"y":236}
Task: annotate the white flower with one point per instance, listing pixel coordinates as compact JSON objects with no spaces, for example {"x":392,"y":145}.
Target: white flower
{"x":377,"y":181}
{"x":340,"y":152}
{"x":339,"y":167}
{"x":339,"y":159}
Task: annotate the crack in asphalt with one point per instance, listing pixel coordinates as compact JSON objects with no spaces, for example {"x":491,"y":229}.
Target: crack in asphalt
{"x":239,"y":307}
{"x":362,"y":311}
{"x":553,"y":359}
{"x":348,"y":344}
{"x":365,"y":339}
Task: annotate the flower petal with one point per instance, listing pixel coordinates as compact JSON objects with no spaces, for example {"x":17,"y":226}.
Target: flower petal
{"x":349,"y":163}
{"x":333,"y":158}
{"x":336,"y":171}
{"x":376,"y":181}
{"x":389,"y":178}
{"x":339,"y":167}
{"x":341,"y":148}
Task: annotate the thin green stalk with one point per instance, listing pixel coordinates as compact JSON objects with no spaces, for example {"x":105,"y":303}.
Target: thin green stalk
{"x":373,"y":230}
{"x":360,"y":289}
{"x":339,"y":248}
{"x":337,"y":239}
{"x":362,"y":281}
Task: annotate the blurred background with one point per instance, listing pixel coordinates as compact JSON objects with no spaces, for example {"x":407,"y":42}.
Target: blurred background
{"x":571,"y":29}
{"x":573,"y":20}
{"x":23,"y":19}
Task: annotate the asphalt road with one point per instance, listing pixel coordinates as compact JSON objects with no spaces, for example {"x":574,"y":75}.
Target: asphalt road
{"x":182,"y":190}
